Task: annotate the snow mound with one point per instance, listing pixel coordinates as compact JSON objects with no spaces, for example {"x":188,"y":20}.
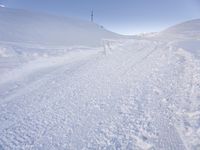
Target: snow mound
{"x":184,"y":35}
{"x":189,"y":29}
{"x":39,"y":28}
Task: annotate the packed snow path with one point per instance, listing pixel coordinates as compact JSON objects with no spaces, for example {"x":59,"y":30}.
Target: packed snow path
{"x":137,"y":94}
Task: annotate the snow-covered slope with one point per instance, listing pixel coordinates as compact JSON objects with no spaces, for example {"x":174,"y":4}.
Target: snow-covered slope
{"x":140,"y":94}
{"x":38,"y":28}
{"x":189,"y":29}
{"x":185,"y":35}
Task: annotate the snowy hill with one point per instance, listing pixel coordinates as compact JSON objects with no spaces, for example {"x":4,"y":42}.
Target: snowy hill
{"x":189,"y":29}
{"x":38,"y":28}
{"x":140,"y":93}
{"x":185,"y":35}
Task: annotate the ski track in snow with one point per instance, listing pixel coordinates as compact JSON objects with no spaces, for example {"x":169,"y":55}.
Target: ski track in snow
{"x":140,"y":95}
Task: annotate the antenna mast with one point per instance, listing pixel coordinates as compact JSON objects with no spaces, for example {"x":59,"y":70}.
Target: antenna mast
{"x":92,"y":16}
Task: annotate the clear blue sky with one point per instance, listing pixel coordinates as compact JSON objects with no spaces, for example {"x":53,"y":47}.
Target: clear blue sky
{"x":122,"y":16}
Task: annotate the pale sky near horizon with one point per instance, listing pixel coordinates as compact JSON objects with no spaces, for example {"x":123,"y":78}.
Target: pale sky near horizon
{"x":121,"y":16}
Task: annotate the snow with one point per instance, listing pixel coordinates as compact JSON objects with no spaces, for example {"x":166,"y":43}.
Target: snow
{"x":186,"y":30}
{"x":37,"y":28}
{"x":139,"y":93}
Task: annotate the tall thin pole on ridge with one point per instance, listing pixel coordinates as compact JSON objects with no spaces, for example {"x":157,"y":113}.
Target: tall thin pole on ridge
{"x":92,"y":16}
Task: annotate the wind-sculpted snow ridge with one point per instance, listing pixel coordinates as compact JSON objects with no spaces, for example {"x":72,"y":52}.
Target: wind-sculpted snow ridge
{"x":133,"y":94}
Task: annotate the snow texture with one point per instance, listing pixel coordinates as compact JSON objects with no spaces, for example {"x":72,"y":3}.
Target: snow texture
{"x":135,"y":94}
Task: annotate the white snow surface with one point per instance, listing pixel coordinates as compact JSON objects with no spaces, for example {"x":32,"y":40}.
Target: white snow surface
{"x":140,"y":94}
{"x":40,"y":28}
{"x":186,"y":30}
